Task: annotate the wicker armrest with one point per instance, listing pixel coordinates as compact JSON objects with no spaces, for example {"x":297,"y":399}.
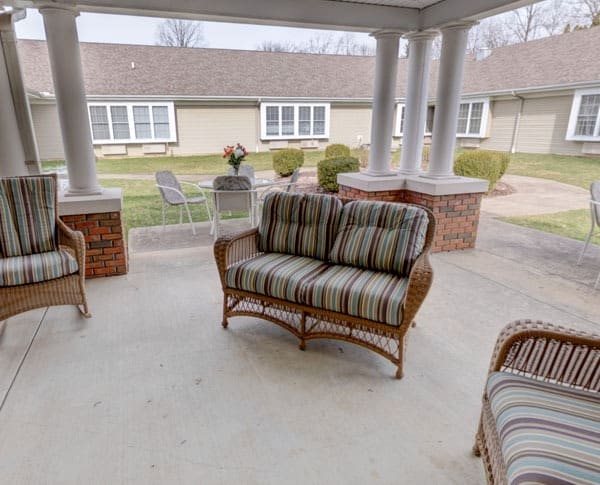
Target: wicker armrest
{"x":551,"y":353}
{"x":74,"y":240}
{"x":233,"y":248}
{"x":419,"y":282}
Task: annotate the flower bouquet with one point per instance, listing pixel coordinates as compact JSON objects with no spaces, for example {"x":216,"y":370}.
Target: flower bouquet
{"x":235,"y":155}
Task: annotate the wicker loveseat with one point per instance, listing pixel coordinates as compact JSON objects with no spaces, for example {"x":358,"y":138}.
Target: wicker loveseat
{"x":42,"y":261}
{"x":540,"y":421}
{"x":326,"y":268}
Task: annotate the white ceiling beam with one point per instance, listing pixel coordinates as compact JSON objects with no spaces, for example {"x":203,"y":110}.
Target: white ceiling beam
{"x":319,"y":14}
{"x":448,"y":11}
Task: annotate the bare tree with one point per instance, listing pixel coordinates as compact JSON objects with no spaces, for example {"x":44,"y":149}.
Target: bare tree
{"x":270,"y":46}
{"x":526,"y":23}
{"x":344,"y":44}
{"x":180,"y":33}
{"x":590,"y":9}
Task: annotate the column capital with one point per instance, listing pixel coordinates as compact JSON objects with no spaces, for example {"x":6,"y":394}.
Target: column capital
{"x":462,"y":25}
{"x":46,"y":8}
{"x":380,"y":34}
{"x":422,"y":35}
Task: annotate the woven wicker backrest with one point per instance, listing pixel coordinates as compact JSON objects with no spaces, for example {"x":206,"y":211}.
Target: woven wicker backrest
{"x":381,"y":236}
{"x":595,"y":193}
{"x":167,"y":179}
{"x":299,"y":224}
{"x":27,"y":215}
{"x":232,"y":182}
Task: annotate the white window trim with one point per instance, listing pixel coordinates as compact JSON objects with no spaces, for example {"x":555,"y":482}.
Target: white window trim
{"x":482,"y":128}
{"x":571,"y":136}
{"x":127,"y":141}
{"x":296,"y":135}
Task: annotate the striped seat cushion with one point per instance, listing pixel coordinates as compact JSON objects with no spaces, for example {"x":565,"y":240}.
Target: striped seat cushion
{"x":549,"y":433}
{"x":300,"y":224}
{"x":393,"y":233}
{"x":276,"y":275}
{"x":27,"y":216}
{"x":358,"y":292}
{"x":22,"y":270}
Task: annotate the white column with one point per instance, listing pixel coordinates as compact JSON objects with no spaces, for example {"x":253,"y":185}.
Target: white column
{"x":454,"y":44}
{"x":12,"y":155}
{"x":415,"y":106}
{"x":382,"y":122}
{"x":67,"y":74}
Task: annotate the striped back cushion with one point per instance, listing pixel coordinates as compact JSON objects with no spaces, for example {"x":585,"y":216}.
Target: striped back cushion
{"x":27,"y":216}
{"x":381,"y":236}
{"x":299,"y":224}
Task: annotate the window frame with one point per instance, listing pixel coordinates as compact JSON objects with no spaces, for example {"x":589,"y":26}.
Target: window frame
{"x":296,"y":133}
{"x":470,"y":101}
{"x":575,"y":107}
{"x":130,"y":120}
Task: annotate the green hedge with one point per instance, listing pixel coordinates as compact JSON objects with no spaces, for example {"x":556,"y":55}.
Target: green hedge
{"x":329,"y":168}
{"x":288,"y":160}
{"x":337,"y":150}
{"x":482,"y":164}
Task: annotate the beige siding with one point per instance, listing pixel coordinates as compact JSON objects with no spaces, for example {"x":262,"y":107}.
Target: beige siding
{"x":543,"y":126}
{"x":347,"y":124}
{"x":501,"y":125}
{"x":47,"y":131}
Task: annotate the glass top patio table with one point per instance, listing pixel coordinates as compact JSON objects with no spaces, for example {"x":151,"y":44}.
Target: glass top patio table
{"x":256,"y":183}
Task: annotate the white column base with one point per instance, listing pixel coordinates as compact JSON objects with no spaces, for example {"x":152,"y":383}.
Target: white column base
{"x":71,"y":192}
{"x":373,"y":173}
{"x":438,"y":177}
{"x":111,"y":200}
{"x":405,"y":171}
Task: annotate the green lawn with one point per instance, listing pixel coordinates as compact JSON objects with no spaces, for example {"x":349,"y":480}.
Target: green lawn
{"x":579,"y":171}
{"x":574,"y":224}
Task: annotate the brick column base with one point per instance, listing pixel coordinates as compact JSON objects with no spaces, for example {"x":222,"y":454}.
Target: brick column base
{"x":106,"y":248}
{"x":457,"y":215}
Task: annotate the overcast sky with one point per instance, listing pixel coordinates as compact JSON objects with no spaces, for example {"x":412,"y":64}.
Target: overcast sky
{"x":123,"y":29}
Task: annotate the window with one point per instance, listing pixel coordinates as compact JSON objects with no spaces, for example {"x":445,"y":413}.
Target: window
{"x":294,"y":121}
{"x":132,"y":122}
{"x":584,"y":122}
{"x":471,"y":121}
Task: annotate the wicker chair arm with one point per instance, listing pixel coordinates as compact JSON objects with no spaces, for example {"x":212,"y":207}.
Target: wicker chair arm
{"x":547,"y":352}
{"x":72,"y":239}
{"x":233,"y":248}
{"x":419,"y":282}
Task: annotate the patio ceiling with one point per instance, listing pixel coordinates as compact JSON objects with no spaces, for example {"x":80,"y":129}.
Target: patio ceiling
{"x":363,"y":15}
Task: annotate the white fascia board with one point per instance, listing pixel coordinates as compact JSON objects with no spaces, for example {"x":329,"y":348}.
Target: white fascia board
{"x":320,"y":14}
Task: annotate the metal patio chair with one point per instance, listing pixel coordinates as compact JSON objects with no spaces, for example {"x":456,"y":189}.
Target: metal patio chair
{"x":595,"y":220}
{"x":232,"y":193}
{"x":172,"y":195}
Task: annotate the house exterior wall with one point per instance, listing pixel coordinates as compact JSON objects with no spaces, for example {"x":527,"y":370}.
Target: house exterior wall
{"x":501,"y":125}
{"x":47,"y":131}
{"x":347,"y":124}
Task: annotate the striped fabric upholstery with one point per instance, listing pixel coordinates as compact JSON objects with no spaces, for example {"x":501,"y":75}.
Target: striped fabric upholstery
{"x":276,"y":275}
{"x":394,"y":233}
{"x":27,"y":216}
{"x":550,"y":434}
{"x":300,"y":224}
{"x":358,"y":292}
{"x":23,"y":270}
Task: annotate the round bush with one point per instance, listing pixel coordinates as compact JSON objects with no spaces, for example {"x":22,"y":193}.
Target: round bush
{"x":337,"y":150}
{"x":288,"y":160}
{"x":329,"y":168}
{"x":482,"y":164}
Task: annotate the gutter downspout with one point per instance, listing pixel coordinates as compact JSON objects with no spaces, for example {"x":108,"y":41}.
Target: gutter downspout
{"x":515,"y":135}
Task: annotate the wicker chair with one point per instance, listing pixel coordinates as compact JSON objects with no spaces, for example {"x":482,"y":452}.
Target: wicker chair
{"x":172,"y":195}
{"x":595,"y":220}
{"x":543,"y":388}
{"x":42,"y":261}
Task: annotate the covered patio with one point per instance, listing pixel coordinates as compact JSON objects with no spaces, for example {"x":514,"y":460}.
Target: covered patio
{"x":153,"y":390}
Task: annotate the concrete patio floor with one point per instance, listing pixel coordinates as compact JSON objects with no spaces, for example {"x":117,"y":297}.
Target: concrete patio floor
{"x":153,"y":390}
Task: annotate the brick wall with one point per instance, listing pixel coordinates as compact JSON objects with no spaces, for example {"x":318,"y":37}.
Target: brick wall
{"x":457,"y":215}
{"x":106,"y":249}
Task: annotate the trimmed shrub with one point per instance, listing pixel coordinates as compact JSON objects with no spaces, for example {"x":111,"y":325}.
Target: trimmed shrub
{"x":288,"y":160}
{"x":482,"y":164}
{"x":337,"y":150}
{"x":329,"y":168}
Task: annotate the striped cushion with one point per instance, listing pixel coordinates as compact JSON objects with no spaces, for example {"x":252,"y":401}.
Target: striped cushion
{"x":549,"y":433}
{"x":393,"y":233}
{"x":358,"y":292}
{"x":275,"y":275}
{"x":301,"y":224}
{"x":22,"y":270}
{"x":27,"y":216}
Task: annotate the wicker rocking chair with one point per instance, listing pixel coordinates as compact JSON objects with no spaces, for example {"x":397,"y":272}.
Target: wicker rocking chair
{"x":42,"y":261}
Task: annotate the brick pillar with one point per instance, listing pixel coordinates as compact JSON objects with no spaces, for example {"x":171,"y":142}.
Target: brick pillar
{"x":106,"y":248}
{"x":457,"y":215}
